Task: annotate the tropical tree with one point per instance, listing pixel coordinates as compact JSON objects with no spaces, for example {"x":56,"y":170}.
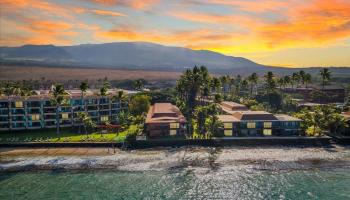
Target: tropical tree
{"x":139,"y":84}
{"x":281,"y":82}
{"x":217,"y":98}
{"x":58,"y":98}
{"x":325,"y":75}
{"x":296,"y":78}
{"x":270,"y":81}
{"x":83,"y":88}
{"x":213,"y":126}
{"x":215,"y":84}
{"x":302,"y":76}
{"x":333,"y":121}
{"x":139,"y":104}
{"x":120,"y":97}
{"x":253,"y":81}
{"x":224,"y":82}
{"x":8,"y":90}
{"x":191,"y":86}
{"x":307,"y":79}
{"x":201,"y":114}
{"x":86,"y":121}
{"x":244,"y":86}
{"x":287,"y":80}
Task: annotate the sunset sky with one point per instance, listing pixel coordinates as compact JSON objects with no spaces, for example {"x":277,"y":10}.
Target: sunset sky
{"x":290,"y":33}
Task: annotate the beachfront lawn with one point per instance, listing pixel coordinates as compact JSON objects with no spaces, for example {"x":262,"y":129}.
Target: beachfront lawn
{"x":66,"y":135}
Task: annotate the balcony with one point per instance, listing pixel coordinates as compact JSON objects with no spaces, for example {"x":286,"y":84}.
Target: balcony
{"x":3,"y":105}
{"x":16,"y":111}
{"x":33,"y":104}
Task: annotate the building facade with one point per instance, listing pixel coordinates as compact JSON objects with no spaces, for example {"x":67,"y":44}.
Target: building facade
{"x":164,"y":119}
{"x":244,"y":122}
{"x":36,"y":112}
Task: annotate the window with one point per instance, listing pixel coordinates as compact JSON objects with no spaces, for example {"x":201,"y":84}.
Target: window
{"x":251,"y":125}
{"x":64,"y":115}
{"x":19,"y":104}
{"x":35,"y":117}
{"x":174,"y":125}
{"x":267,"y":132}
{"x":228,"y":125}
{"x":104,"y":118}
{"x":267,"y":124}
{"x":228,"y":133}
{"x":172,"y":132}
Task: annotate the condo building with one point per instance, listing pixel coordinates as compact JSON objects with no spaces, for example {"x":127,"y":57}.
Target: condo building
{"x":238,"y":120}
{"x":36,"y":112}
{"x":164,"y":119}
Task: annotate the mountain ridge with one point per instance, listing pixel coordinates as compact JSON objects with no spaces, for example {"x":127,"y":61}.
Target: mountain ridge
{"x":142,"y":55}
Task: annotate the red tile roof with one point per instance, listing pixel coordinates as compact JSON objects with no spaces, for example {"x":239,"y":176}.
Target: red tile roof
{"x":164,"y":113}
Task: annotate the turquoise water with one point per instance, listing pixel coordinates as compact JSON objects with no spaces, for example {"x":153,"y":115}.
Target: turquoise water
{"x":177,"y":184}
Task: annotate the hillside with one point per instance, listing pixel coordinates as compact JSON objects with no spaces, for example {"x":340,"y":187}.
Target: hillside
{"x":125,"y":55}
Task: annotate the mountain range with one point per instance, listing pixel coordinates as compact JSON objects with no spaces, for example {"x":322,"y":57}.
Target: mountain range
{"x":130,"y":55}
{"x":137,"y":55}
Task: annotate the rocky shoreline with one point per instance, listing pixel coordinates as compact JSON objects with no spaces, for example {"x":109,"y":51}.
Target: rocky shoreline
{"x":185,"y":158}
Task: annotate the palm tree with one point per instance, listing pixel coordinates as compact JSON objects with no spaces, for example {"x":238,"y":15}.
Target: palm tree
{"x":215,"y":84}
{"x":224,"y":80}
{"x":286,"y":80}
{"x":326,"y":76}
{"x":120,"y":96}
{"x":281,"y":82}
{"x":138,"y":84}
{"x":244,"y":85}
{"x":295,"y":78}
{"x":270,"y":81}
{"x":86,"y":121}
{"x":307,"y":79}
{"x":58,"y":98}
{"x":83,"y":88}
{"x":253,"y":80}
{"x":302,"y":76}
{"x":8,"y":91}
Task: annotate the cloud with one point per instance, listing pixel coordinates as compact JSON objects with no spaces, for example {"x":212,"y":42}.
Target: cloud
{"x":227,"y":20}
{"x":253,"y":5}
{"x":108,"y":13}
{"x":317,"y":23}
{"x":135,"y":4}
{"x":127,"y":33}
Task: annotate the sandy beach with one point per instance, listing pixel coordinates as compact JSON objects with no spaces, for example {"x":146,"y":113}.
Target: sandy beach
{"x":264,"y":158}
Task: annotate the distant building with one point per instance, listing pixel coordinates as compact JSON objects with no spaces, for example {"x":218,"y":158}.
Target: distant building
{"x":257,"y":123}
{"x":232,"y":107}
{"x":164,"y":119}
{"x":334,"y":94}
{"x":35,"y":112}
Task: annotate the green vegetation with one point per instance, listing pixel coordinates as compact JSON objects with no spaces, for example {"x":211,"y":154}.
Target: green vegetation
{"x":139,"y":104}
{"x":196,"y":93}
{"x":58,"y":98}
{"x":68,"y":135}
{"x":321,"y":120}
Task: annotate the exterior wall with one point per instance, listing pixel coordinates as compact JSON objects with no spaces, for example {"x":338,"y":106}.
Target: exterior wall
{"x":155,"y":130}
{"x":278,"y":128}
{"x":36,"y":114}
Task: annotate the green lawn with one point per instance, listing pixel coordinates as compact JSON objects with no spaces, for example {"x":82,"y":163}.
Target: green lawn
{"x":66,"y":135}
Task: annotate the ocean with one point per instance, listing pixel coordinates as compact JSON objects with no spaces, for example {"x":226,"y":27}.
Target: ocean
{"x":187,"y":173}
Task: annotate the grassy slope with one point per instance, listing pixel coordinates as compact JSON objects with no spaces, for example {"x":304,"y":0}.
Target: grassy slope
{"x":66,"y":135}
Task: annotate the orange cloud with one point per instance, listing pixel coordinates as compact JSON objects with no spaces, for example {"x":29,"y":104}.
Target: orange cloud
{"x":178,"y":37}
{"x":136,"y":4}
{"x":317,"y":23}
{"x":230,"y":20}
{"x":108,"y":13}
{"x":16,"y":6}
